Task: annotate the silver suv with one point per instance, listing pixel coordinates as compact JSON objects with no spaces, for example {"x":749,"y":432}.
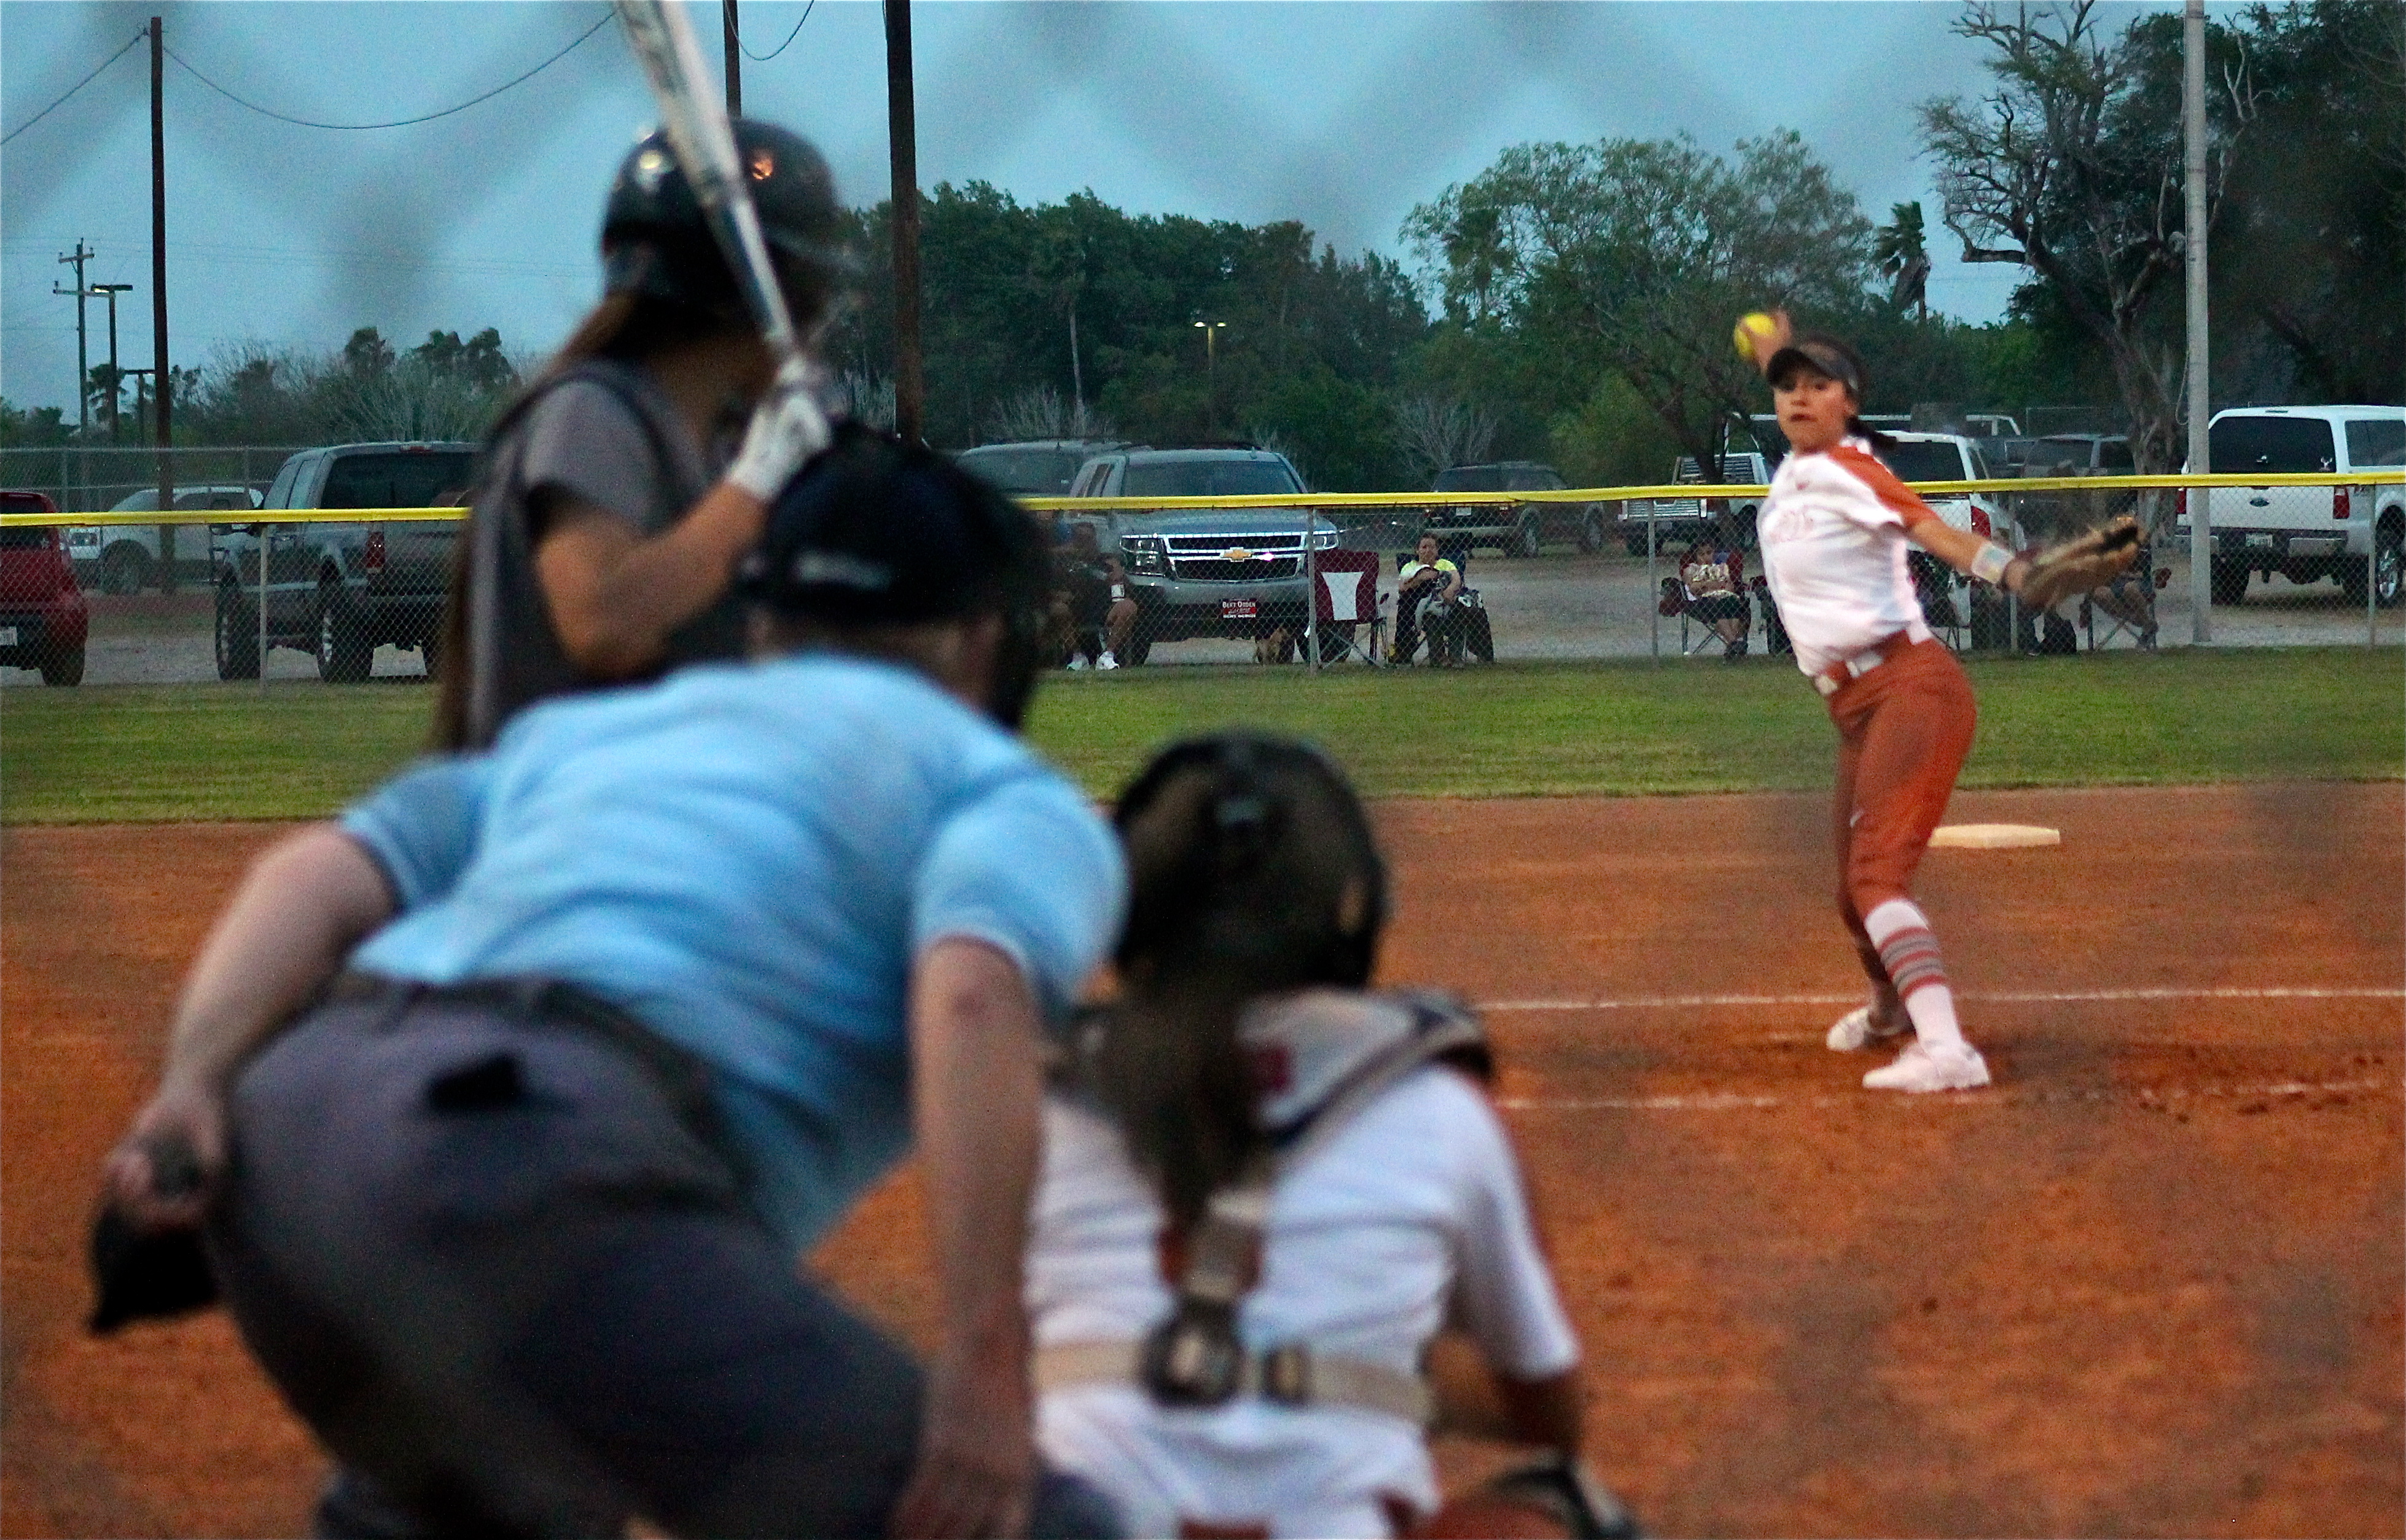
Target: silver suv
{"x":1234,"y":572}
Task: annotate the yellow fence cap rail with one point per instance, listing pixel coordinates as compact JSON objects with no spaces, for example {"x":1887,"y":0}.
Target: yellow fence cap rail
{"x":1677,"y":491}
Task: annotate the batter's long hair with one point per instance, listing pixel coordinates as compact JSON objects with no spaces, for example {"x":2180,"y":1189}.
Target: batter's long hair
{"x":1253,"y":870}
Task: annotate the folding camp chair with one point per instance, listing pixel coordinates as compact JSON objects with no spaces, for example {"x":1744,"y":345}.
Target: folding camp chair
{"x":2142,"y":582}
{"x":1345,"y":606}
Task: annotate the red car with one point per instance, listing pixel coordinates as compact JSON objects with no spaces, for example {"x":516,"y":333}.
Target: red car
{"x":42,"y":616}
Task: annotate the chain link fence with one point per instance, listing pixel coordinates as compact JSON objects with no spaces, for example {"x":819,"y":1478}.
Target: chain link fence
{"x":1669,"y":574}
{"x":128,"y":558}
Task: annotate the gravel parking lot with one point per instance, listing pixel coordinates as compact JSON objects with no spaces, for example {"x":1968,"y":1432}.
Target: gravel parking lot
{"x":1561,"y":605}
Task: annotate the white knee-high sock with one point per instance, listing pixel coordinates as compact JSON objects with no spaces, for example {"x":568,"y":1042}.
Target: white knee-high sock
{"x":1909,"y":951}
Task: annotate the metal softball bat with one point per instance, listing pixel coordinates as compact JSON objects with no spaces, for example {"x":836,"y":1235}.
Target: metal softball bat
{"x":694,"y":119}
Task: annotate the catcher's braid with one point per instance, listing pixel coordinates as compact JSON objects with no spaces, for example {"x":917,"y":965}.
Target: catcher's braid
{"x":2082,"y":563}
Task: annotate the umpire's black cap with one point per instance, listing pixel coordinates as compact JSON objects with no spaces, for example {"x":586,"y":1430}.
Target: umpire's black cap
{"x":875,"y":532}
{"x":872,"y":532}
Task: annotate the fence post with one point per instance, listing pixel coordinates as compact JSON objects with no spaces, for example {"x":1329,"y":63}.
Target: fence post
{"x":1312,"y":587}
{"x":2372,"y":576}
{"x":1653,"y":609}
{"x":263,"y":531}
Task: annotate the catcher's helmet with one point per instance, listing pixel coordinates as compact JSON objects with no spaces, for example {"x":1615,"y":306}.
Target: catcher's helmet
{"x":655,"y":240}
{"x":1278,"y":871}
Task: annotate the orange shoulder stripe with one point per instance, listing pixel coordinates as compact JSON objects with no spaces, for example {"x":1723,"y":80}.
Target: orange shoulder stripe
{"x":1902,"y":500}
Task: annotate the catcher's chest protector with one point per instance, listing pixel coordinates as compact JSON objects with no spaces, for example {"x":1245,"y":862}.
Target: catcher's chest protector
{"x":1320,"y":1057}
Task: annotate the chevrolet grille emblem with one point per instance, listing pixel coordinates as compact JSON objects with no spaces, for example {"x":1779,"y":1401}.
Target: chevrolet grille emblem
{"x":1236,"y":553}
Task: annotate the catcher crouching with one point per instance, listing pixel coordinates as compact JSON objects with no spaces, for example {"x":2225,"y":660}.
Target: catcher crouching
{"x":1266,"y":1191}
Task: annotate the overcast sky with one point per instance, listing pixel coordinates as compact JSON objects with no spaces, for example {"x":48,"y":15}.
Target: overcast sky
{"x":1342,"y":115}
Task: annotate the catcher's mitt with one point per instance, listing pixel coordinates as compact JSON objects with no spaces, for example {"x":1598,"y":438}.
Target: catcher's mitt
{"x":2076,"y":566}
{"x":1550,"y":1497}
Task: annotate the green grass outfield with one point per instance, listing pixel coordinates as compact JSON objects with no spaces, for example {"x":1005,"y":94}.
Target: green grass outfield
{"x":212,"y":750}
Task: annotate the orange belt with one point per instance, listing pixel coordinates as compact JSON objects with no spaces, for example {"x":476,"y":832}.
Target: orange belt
{"x":1829,"y":681}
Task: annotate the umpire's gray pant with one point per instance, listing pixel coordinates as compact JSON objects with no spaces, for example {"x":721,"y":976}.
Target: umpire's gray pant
{"x":515,"y":1294}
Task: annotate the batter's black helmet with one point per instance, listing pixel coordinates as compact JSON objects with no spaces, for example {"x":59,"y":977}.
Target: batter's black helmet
{"x":655,"y":240}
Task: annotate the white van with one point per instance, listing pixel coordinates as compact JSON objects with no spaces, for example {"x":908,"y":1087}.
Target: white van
{"x":2308,"y":533}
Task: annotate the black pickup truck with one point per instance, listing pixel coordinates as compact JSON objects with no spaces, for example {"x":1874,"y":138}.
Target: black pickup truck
{"x":338,"y":590}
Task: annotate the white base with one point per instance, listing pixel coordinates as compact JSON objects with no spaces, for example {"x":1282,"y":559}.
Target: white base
{"x":1993,"y":837}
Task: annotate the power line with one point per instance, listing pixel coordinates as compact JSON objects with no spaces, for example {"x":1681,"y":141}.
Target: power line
{"x":399,"y":122}
{"x":764,"y":57}
{"x":95,"y":75}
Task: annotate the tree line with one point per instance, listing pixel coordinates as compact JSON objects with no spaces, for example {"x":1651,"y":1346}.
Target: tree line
{"x":444,"y":388}
{"x":1572,"y":302}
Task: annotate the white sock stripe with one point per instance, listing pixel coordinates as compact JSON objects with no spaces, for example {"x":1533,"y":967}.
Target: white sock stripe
{"x":2056,"y":996}
{"x":1912,"y":961}
{"x":1887,"y":919}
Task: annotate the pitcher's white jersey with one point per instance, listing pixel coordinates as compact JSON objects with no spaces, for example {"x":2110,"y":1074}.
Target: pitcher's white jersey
{"x":1832,"y":532}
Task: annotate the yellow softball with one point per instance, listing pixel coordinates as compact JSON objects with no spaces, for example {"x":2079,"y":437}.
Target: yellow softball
{"x":1752,"y":329}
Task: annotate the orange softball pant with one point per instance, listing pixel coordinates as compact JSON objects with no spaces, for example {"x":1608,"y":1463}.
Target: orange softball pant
{"x":1903,"y":729}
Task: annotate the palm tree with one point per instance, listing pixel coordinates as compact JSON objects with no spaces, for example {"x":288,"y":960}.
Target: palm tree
{"x":1898,"y":251}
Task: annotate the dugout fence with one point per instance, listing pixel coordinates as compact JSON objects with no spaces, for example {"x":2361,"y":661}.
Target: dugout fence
{"x":339,"y":596}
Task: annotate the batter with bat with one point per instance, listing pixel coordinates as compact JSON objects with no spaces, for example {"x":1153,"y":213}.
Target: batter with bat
{"x":1835,"y":529}
{"x":618,"y":490}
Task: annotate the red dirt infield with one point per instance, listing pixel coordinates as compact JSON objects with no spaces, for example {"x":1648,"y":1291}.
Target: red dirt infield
{"x":2150,"y":1283}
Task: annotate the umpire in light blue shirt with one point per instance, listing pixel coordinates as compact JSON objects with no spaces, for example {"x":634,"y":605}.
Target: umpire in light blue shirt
{"x":509,"y":1101}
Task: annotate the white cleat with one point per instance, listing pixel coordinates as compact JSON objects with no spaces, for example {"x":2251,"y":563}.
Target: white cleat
{"x":1077,"y":665}
{"x":1919,"y":1068}
{"x":1107,"y":661}
{"x":1859,"y":1028}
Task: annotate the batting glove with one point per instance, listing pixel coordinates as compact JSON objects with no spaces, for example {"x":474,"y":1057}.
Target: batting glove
{"x":787,"y":427}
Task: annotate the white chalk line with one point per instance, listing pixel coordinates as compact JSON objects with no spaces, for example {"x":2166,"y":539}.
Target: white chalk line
{"x":2050,"y":997}
{"x":1989,"y":1096}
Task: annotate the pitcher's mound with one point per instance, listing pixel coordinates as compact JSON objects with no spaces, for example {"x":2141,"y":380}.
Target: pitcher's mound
{"x":1993,"y":837}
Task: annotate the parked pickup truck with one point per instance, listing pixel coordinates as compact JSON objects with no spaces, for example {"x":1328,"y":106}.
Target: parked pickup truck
{"x":1681,"y":520}
{"x":2308,"y":533}
{"x":1205,"y":572}
{"x":1515,"y":528}
{"x":338,"y":590}
{"x":125,"y":559}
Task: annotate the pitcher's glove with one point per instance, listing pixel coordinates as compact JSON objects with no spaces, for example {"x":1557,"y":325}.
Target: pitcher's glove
{"x":2079,"y":565}
{"x":1567,"y":1491}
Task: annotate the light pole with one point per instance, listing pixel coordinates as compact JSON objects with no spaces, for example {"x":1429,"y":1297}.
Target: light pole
{"x":115,"y":381}
{"x":1211,"y":331}
{"x":2201,"y":455}
{"x":81,"y":254}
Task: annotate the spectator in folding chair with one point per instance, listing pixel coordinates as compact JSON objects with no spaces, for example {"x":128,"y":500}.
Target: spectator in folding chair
{"x":1712,"y":589}
{"x":1093,"y":588}
{"x":2127,"y":604}
{"x":1428,"y":594}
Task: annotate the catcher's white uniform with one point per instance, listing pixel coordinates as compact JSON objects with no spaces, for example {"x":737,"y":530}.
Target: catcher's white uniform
{"x":1408,"y":1212}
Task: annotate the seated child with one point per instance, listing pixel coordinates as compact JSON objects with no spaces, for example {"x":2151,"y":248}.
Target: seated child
{"x":1265,"y":1190}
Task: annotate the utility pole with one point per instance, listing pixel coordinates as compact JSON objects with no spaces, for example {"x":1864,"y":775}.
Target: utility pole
{"x":116,"y":379}
{"x":83,"y":355}
{"x":162,"y":378}
{"x":2200,"y":500}
{"x":902,"y":128}
{"x":734,"y":41}
{"x":1211,"y":331}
